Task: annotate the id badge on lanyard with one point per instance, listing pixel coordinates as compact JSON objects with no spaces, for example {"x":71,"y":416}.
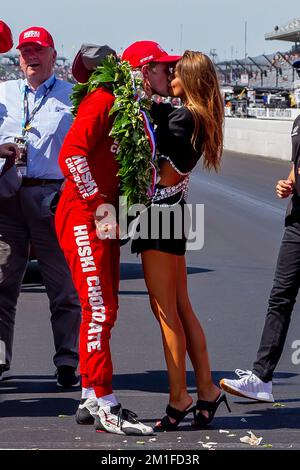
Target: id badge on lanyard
{"x":21,"y":160}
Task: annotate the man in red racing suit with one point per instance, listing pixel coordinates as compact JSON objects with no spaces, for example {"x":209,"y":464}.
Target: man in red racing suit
{"x":87,"y":159}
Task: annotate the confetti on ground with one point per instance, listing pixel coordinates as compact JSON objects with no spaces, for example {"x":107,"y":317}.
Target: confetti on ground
{"x":153,"y":439}
{"x":231,"y":435}
{"x":252,"y":440}
{"x":267,"y":446}
{"x":223,"y":431}
{"x":207,"y":437}
{"x":63,"y":416}
{"x":278,"y":405}
{"x":140,"y":442}
{"x":77,"y":438}
{"x":209,"y":445}
{"x":125,"y":441}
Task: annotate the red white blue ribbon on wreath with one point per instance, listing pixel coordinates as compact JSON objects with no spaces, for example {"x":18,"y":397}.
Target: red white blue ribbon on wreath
{"x":149,"y":131}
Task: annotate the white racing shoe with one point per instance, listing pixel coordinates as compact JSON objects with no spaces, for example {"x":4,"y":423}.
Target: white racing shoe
{"x":87,"y":411}
{"x":248,"y":385}
{"x":117,"y":420}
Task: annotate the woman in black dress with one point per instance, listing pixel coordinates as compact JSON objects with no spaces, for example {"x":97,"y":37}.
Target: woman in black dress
{"x":183,"y":135}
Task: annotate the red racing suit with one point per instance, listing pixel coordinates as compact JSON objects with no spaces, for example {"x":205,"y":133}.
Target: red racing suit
{"x":87,"y":159}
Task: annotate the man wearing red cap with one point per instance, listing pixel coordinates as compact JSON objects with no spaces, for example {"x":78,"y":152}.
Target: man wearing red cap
{"x":36,"y":116}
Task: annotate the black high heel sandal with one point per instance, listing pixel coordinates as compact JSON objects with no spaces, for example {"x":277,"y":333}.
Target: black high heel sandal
{"x":200,"y":420}
{"x":165,"y":423}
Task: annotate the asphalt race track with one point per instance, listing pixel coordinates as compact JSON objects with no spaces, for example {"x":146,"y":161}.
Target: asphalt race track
{"x":229,"y":280}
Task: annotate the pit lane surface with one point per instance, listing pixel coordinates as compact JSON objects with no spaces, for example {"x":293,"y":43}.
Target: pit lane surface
{"x":229,"y":280}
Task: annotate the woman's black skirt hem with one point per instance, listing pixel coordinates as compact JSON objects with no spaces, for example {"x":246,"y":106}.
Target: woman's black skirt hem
{"x":170,"y":222}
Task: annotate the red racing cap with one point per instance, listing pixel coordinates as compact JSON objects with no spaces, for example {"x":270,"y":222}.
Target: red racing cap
{"x":36,"y":34}
{"x":6,"y":40}
{"x":143,"y":52}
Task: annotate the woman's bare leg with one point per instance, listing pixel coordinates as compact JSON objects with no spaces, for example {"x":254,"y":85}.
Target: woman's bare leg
{"x":160,"y":271}
{"x":195,"y":337}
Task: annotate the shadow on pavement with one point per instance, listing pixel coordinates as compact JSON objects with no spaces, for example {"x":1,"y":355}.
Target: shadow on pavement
{"x":32,"y":384}
{"x":154,"y":381}
{"x":39,"y":407}
{"x":129,"y":271}
{"x":258,"y":416}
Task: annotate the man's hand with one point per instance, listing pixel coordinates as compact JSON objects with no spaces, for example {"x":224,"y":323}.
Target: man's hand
{"x":284,"y":188}
{"x":9,"y":150}
{"x":106,"y":223}
{"x":106,"y":231}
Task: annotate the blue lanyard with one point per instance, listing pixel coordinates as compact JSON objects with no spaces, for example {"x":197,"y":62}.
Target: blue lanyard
{"x":27,"y":118}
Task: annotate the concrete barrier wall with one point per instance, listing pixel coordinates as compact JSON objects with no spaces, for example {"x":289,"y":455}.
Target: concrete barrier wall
{"x":267,"y":138}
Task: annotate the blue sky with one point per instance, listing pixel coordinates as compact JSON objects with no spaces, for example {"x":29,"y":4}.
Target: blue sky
{"x":175,"y":24}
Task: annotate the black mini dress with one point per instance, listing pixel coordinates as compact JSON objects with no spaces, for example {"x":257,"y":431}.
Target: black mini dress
{"x":164,"y":225}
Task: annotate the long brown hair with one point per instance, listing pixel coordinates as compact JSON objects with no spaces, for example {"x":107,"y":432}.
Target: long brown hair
{"x":204,"y":100}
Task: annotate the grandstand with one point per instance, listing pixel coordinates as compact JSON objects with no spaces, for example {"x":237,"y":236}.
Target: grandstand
{"x":274,"y":71}
{"x":265,"y":72}
{"x":289,"y":32}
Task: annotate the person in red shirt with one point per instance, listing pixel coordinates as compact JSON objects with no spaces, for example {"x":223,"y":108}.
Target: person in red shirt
{"x":87,"y":159}
{"x":6,"y":40}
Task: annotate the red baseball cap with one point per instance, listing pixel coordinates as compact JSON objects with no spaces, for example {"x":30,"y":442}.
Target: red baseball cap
{"x":36,"y":34}
{"x":142,"y":52}
{"x":6,"y":40}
